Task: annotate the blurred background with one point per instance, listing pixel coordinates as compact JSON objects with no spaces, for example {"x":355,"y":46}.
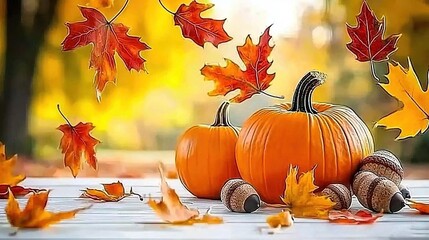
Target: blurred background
{"x":139,"y":119}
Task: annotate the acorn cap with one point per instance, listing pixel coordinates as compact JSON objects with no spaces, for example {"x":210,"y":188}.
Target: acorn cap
{"x":239,"y":196}
{"x":384,"y":164}
{"x":339,"y":194}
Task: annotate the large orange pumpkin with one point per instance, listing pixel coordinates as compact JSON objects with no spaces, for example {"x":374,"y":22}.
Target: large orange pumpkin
{"x":205,"y":156}
{"x":302,"y":134}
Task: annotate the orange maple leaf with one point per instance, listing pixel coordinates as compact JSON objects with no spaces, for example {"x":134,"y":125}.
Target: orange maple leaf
{"x":113,"y":192}
{"x":300,"y":198}
{"x":77,"y":142}
{"x":7,"y":177}
{"x":253,"y":80}
{"x":107,"y":38}
{"x":346,"y":217}
{"x":34,"y":214}
{"x":423,"y":208}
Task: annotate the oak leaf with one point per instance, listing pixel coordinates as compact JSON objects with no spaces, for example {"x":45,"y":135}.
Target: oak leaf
{"x":413,"y":117}
{"x":34,"y":214}
{"x":300,"y":198}
{"x":346,"y":217}
{"x":170,"y":208}
{"x":423,"y":208}
{"x":281,"y":219}
{"x":113,"y":192}
{"x":77,"y":143}
{"x":7,"y":177}
{"x":367,"y":37}
{"x":253,"y":80}
{"x":107,"y":38}
{"x":200,"y":30}
{"x":17,"y":191}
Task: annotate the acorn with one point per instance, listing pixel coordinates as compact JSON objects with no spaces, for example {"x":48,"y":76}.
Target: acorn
{"x":339,"y":194}
{"x":239,"y":196}
{"x":405,"y":191}
{"x":384,"y":164}
{"x":378,"y":194}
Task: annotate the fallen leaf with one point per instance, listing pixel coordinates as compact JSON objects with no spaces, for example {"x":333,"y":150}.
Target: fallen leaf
{"x":282,"y":219}
{"x":347,"y":217}
{"x":300,"y":198}
{"x":107,"y":38}
{"x":16,"y":191}
{"x":207,"y":218}
{"x":404,"y":85}
{"x":77,"y":143}
{"x":367,"y":37}
{"x":423,"y":208}
{"x":7,"y":177}
{"x":253,"y":80}
{"x":34,"y":214}
{"x":113,"y":192}
{"x":170,"y":208}
{"x":200,"y":30}
{"x":100,"y":3}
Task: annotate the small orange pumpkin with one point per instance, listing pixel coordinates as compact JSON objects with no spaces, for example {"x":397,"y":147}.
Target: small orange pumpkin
{"x":205,"y":156}
{"x":302,"y":134}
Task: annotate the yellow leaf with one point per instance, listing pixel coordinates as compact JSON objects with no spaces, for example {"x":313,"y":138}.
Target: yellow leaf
{"x":100,"y":3}
{"x":34,"y":214}
{"x":282,"y":219}
{"x":299,"y":196}
{"x":6,"y":168}
{"x":404,"y":85}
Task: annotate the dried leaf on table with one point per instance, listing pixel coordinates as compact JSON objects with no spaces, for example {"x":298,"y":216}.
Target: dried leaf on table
{"x":198,"y":29}
{"x":107,"y":38}
{"x":367,"y":37}
{"x":282,"y":219}
{"x":34,"y":214}
{"x":347,"y":217}
{"x":7,"y":176}
{"x":419,"y":206}
{"x":300,"y":198}
{"x":112,"y":192}
{"x":170,"y":208}
{"x":17,"y":191}
{"x":255,"y":79}
{"x":404,"y":85}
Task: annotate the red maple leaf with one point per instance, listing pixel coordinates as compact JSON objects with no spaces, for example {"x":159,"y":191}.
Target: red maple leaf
{"x":77,"y":143}
{"x":16,"y":190}
{"x":200,"y":30}
{"x":253,"y":80}
{"x":367,"y":37}
{"x":107,"y":38}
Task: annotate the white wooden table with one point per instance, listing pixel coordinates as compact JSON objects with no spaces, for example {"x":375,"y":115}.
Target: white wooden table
{"x":131,"y":218}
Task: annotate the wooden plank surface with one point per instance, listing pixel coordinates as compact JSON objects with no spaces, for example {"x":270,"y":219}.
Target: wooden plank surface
{"x":132,"y":218}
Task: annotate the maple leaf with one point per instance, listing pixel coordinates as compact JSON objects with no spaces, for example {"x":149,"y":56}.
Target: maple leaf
{"x":367,"y":37}
{"x":113,"y":192}
{"x":413,"y":117}
{"x":281,"y":219}
{"x":253,"y":80}
{"x":100,"y":3}
{"x":198,"y":29}
{"x":347,"y":217}
{"x":300,"y":198}
{"x":6,"y":168}
{"x":170,"y":208}
{"x":107,"y":38}
{"x":423,"y":208}
{"x":77,"y":143}
{"x":16,"y":191}
{"x":34,"y":214}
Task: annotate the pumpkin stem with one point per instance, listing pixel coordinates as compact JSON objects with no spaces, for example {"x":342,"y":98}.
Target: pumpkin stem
{"x":222,"y":115}
{"x":304,"y":91}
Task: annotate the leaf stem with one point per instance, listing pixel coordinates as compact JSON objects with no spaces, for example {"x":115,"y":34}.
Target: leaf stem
{"x":270,"y":95}
{"x":165,"y":8}
{"x":120,"y":11}
{"x":136,"y":194}
{"x":65,"y":118}
{"x":371,"y":64}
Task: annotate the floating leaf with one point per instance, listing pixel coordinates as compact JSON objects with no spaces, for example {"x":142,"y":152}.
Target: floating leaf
{"x":347,"y":217}
{"x":7,"y":177}
{"x":423,"y":208}
{"x":34,"y":215}
{"x":413,"y":117}
{"x":300,"y":198}
{"x":367,"y":37}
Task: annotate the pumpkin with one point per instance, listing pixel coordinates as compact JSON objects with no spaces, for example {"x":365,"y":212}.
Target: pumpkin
{"x":205,"y":156}
{"x":329,"y":137}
